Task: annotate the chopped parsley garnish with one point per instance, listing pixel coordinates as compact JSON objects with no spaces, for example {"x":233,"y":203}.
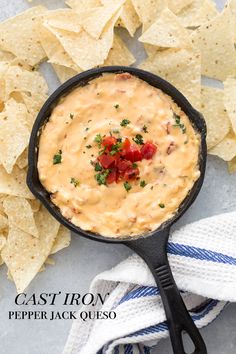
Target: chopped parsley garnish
{"x":116,"y":106}
{"x":162,"y":206}
{"x":86,"y":129}
{"x":101,"y":177}
{"x":88,"y":146}
{"x":98,"y":140}
{"x":144,"y":129}
{"x":124,"y":122}
{"x":74,"y":181}
{"x":102,"y":151}
{"x":115,"y":131}
{"x":143,"y":183}
{"x":97,"y":167}
{"x":115,"y":148}
{"x":138,"y":139}
{"x":178,"y":123}
{"x":134,"y":165}
{"x":71,"y":115}
{"x":57,"y":158}
{"x":127,"y":186}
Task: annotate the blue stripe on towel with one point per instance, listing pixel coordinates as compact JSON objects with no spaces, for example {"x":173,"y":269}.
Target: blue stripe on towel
{"x":161,"y":327}
{"x":199,"y":253}
{"x":128,"y":349}
{"x":142,"y":291}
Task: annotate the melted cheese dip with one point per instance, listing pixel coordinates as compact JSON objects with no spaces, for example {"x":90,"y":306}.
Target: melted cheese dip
{"x":99,"y":108}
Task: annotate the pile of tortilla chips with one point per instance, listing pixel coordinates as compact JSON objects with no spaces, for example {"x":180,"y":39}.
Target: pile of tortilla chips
{"x":184,"y":40}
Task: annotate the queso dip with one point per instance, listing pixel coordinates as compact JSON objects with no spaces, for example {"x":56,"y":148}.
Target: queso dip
{"x":118,"y":156}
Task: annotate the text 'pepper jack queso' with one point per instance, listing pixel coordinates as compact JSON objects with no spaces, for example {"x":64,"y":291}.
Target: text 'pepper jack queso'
{"x":118,"y":156}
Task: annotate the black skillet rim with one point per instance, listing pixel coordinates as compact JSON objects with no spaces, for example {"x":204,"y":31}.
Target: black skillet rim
{"x":81,"y":79}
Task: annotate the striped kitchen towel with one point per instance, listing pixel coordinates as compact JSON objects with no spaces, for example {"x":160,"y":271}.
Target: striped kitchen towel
{"x":202,"y":256}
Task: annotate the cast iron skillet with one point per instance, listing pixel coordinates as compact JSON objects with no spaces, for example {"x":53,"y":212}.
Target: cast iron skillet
{"x":152,"y":246}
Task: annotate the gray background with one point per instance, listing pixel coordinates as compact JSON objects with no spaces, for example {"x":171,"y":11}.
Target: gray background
{"x":77,"y":265}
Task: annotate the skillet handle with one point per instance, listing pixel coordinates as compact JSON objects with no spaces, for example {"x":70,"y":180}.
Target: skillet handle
{"x":153,"y":250}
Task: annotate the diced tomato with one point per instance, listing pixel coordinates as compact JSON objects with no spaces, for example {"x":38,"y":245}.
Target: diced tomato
{"x":108,"y":141}
{"x":123,"y":76}
{"x":106,"y":160}
{"x":123,"y":165}
{"x":131,"y":173}
{"x":125,"y":145}
{"x":112,"y":177}
{"x":133,"y":154}
{"x":148,"y":150}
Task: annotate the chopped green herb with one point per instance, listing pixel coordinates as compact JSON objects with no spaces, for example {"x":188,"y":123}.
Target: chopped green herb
{"x":115,"y":148}
{"x":57,"y":158}
{"x":127,"y":186}
{"x":71,"y":115}
{"x":86,"y":129}
{"x":98,"y":167}
{"x":151,"y":188}
{"x":117,"y":106}
{"x":124,"y":122}
{"x":144,"y":129}
{"x":115,"y":131}
{"x":134,"y":165}
{"x":98,"y":140}
{"x":162,"y":206}
{"x":138,"y":139}
{"x":101,"y":177}
{"x":178,"y":123}
{"x":143,"y":183}
{"x":74,"y":181}
{"x":88,"y":146}
{"x":102,"y":151}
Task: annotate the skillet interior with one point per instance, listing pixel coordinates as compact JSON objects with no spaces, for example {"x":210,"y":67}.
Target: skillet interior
{"x":82,"y":79}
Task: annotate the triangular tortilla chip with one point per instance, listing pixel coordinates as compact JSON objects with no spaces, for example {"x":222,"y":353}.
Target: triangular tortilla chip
{"x":19,"y":36}
{"x":213,"y":110}
{"x":119,"y":54}
{"x":84,"y":50}
{"x":216,"y":41}
{"x":166,"y":31}
{"x":14,"y":183}
{"x":65,"y":19}
{"x":14,"y":133}
{"x":226,"y":149}
{"x":64,"y":73}
{"x":20,"y":214}
{"x":62,"y":240}
{"x":197,"y":13}
{"x":24,"y":254}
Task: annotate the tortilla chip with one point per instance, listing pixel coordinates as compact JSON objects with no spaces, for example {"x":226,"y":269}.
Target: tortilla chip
{"x":24,"y":254}
{"x":22,"y":160}
{"x":215,"y":39}
{"x":20,"y":214}
{"x":197,"y":13}
{"x":63,"y":72}
{"x":65,"y":19}
{"x":182,"y":68}
{"x":35,"y":205}
{"x":33,"y":105}
{"x":62,"y":240}
{"x":6,"y":56}
{"x":213,"y":110}
{"x":19,"y":36}
{"x":226,"y":149}
{"x":148,"y":10}
{"x":94,"y":20}
{"x":230,"y":100}
{"x":232,"y":6}
{"x":50,"y":261}
{"x":119,"y":54}
{"x":81,"y":5}
{"x":54,"y":50}
{"x":166,"y":31}
{"x":3,"y":224}
{"x":14,"y":133}
{"x":27,"y":81}
{"x":232,"y":166}
{"x":177,"y":5}
{"x":84,"y":50}
{"x":15,"y":183}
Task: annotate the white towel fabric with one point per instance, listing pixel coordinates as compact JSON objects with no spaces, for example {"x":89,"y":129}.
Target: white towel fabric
{"x":202,"y":256}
